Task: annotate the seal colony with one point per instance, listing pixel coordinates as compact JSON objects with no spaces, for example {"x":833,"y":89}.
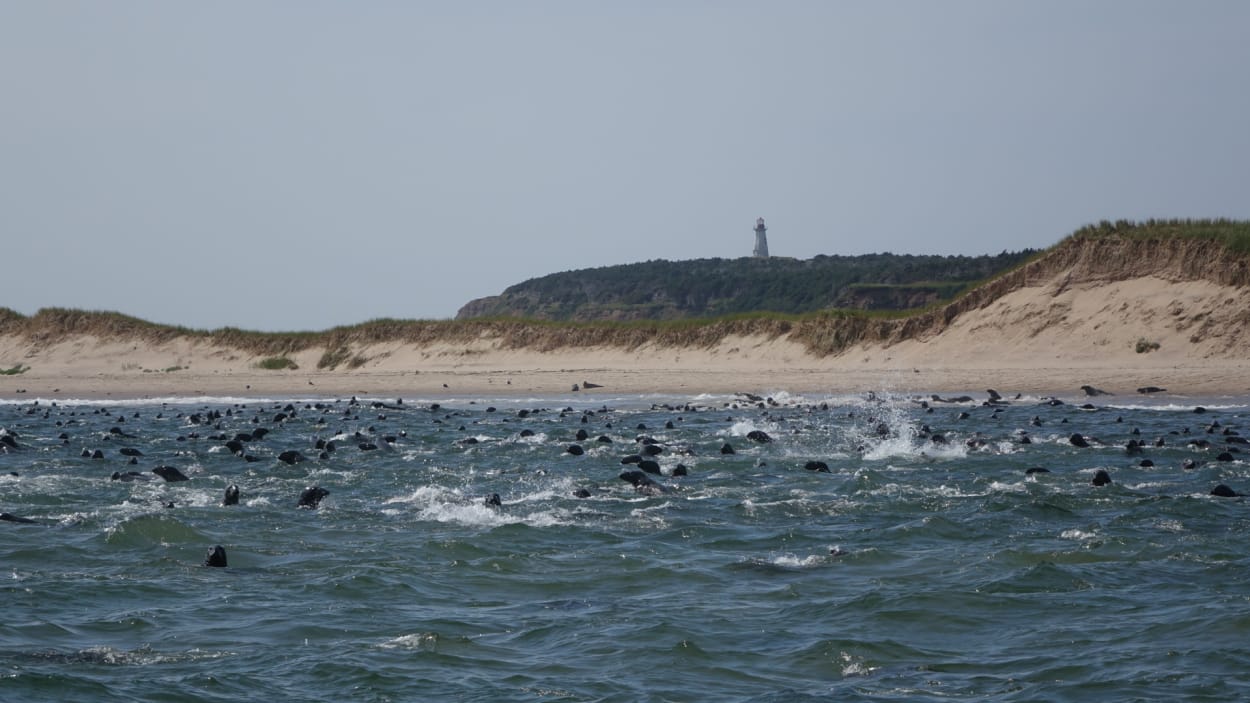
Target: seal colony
{"x":465,"y":525}
{"x":235,"y":447}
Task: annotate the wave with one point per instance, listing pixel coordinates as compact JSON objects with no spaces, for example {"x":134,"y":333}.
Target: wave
{"x":152,"y":529}
{"x":110,"y":656}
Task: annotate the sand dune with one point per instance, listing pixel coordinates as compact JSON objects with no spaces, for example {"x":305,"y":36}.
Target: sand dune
{"x":1068,"y":320}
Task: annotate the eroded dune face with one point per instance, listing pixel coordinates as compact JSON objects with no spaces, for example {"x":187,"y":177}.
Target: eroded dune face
{"x":1107,"y":301}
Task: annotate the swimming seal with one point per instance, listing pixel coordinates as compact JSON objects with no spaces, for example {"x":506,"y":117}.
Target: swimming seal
{"x":643,"y":483}
{"x":649,"y":466}
{"x":170,"y":473}
{"x":291,"y":457}
{"x":311,"y":497}
{"x":216,"y":557}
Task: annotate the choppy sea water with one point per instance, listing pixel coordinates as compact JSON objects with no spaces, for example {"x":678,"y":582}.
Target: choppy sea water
{"x":911,"y":570}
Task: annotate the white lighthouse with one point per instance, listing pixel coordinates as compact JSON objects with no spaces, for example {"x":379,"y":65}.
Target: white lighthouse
{"x":761,"y":240}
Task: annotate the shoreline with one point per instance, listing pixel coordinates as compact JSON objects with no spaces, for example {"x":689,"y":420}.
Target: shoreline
{"x":1206,"y":381}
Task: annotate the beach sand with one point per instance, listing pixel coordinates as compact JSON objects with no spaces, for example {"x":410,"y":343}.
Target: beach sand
{"x":1046,"y":339}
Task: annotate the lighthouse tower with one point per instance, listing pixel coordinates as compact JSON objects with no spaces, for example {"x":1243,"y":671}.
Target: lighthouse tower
{"x":761,"y":240}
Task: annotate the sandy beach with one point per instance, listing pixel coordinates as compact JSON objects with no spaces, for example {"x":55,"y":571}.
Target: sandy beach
{"x":1182,"y":381}
{"x":742,"y":365}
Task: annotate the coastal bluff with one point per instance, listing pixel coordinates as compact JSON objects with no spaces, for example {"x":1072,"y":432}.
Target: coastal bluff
{"x":1118,"y":306}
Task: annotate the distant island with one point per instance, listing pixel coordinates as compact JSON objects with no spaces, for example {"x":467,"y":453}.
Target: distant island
{"x":711,"y":288}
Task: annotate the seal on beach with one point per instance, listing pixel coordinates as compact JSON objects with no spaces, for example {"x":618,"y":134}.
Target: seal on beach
{"x":1151,"y":389}
{"x":1091,"y":391}
{"x":953,"y":399}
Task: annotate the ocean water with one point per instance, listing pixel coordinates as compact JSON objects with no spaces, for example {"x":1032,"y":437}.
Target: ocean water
{"x":911,"y":570}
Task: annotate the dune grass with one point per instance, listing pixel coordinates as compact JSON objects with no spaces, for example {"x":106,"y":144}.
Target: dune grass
{"x":1233,"y":234}
{"x":277,"y":363}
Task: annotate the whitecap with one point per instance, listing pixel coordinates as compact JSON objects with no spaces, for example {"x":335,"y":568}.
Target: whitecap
{"x":855,"y":666}
{"x":1003,"y":487}
{"x":796,"y":562}
{"x":425,"y":641}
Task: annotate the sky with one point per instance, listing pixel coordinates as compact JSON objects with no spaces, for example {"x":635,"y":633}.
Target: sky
{"x":284,"y":166}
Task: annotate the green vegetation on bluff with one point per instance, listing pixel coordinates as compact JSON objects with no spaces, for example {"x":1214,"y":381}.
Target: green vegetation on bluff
{"x":1233,"y":234}
{"x":711,"y":288}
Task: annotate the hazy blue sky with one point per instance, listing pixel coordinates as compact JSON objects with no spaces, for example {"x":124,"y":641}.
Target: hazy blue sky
{"x":301,"y":165}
